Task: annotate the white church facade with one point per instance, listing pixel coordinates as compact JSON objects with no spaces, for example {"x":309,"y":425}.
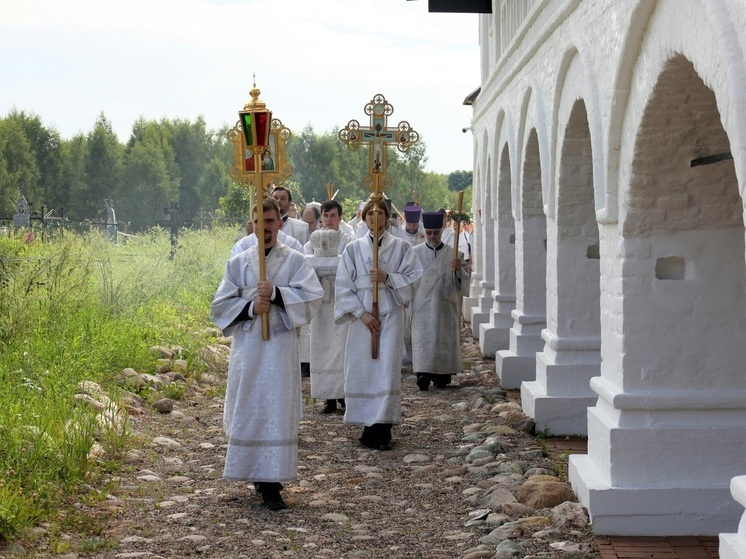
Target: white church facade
{"x":610,"y":268}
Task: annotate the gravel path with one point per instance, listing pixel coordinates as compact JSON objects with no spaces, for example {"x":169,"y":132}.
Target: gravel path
{"x":447,"y":489}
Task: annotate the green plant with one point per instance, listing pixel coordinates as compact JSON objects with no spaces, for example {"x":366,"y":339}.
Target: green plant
{"x":77,"y":310}
{"x":175,"y":390}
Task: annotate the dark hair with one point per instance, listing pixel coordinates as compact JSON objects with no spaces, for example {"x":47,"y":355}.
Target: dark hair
{"x":268,"y":205}
{"x":330,"y":205}
{"x":371,"y":204}
{"x":284,"y":189}
{"x":316,"y":212}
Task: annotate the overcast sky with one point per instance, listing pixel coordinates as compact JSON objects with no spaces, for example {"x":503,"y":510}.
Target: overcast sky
{"x":317,"y":62}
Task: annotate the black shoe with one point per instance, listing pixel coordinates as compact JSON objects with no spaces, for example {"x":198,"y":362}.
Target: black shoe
{"x":423,"y":382}
{"x":441,"y":381}
{"x":384,"y":445}
{"x":341,"y":402}
{"x":270,"y":492}
{"x":274,"y":501}
{"x":330,"y":407}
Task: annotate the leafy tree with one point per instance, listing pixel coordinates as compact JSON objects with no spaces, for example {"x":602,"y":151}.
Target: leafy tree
{"x":234,"y":206}
{"x":318,"y":160}
{"x":73,"y":179}
{"x":408,"y":175}
{"x":460,"y":180}
{"x":103,"y":167}
{"x":150,"y":179}
{"x":190,"y":144}
{"x":214,"y":183}
{"x":19,"y":171}
{"x":45,"y":145}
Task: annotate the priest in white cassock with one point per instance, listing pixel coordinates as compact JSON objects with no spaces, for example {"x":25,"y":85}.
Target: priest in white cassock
{"x":263,"y":396}
{"x":435,"y":319}
{"x":290,"y":226}
{"x":373,"y":386}
{"x":328,"y":337}
{"x":250,"y":240}
{"x":413,"y":231}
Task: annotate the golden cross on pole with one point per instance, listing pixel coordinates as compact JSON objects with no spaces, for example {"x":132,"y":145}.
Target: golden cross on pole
{"x":378,"y":136}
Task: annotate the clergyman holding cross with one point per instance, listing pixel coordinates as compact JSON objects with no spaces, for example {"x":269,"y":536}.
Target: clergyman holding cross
{"x":262,"y":401}
{"x":373,"y":386}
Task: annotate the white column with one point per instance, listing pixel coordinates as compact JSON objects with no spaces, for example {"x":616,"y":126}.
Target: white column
{"x":480,"y":312}
{"x":733,"y":546}
{"x":495,"y":334}
{"x":559,"y":398}
{"x":518,"y":363}
{"x":667,"y":432}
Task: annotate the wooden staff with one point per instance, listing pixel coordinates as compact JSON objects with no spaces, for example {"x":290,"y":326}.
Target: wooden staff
{"x":376,"y":197}
{"x":458,"y":224}
{"x":256,"y":150}
{"x":456,"y":242}
{"x":330,"y":194}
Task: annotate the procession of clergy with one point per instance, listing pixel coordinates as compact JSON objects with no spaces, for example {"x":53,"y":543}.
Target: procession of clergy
{"x":318,"y":296}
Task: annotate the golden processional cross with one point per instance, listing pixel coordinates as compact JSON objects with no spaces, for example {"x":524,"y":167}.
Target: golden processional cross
{"x":378,"y":137}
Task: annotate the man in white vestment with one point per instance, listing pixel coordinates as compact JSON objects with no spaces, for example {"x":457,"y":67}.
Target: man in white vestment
{"x":311,"y":216}
{"x":373,"y":386}
{"x":250,"y":240}
{"x":413,"y":232}
{"x":290,"y":225}
{"x":263,"y":396}
{"x":328,"y":337}
{"x":392,"y":227}
{"x":297,"y":229}
{"x":436,"y":351}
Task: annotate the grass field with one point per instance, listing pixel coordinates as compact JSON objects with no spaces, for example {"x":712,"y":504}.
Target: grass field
{"x":81,"y":309}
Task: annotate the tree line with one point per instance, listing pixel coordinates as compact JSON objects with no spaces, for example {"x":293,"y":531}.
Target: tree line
{"x":183,"y":161}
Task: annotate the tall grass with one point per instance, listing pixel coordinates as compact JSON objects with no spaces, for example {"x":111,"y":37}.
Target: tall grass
{"x":83,"y":309}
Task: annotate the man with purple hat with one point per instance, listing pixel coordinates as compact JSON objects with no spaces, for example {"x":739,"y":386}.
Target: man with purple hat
{"x":413,"y":232}
{"x":435,"y":308}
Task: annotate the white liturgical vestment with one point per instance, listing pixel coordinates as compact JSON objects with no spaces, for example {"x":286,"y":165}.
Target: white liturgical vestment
{"x":263,"y":397}
{"x":373,"y":386}
{"x":435,"y":314}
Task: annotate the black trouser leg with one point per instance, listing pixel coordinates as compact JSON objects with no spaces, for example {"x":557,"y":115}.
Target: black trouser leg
{"x":368,"y":435}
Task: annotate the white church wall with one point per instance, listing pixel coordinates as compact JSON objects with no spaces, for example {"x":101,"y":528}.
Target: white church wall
{"x":657,"y":390}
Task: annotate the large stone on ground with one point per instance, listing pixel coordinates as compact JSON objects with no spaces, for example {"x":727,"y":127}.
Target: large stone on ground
{"x":544,"y":492}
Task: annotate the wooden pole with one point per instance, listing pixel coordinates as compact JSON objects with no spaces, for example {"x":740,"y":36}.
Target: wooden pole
{"x":256,"y":150}
{"x":458,"y":224}
{"x":376,"y":197}
{"x":456,"y":242}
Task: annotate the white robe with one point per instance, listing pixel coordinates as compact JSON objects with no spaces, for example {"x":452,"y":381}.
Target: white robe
{"x":263,"y":397}
{"x":373,"y":386}
{"x":447,"y":236}
{"x":416,"y":238}
{"x":250,"y":240}
{"x":296,"y":228}
{"x":435,"y":314}
{"x":327,"y":337}
{"x":343,"y":240}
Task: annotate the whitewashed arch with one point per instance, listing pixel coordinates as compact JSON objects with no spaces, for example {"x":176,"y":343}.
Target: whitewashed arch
{"x":533,"y":116}
{"x":717,"y":59}
{"x":577,"y":79}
